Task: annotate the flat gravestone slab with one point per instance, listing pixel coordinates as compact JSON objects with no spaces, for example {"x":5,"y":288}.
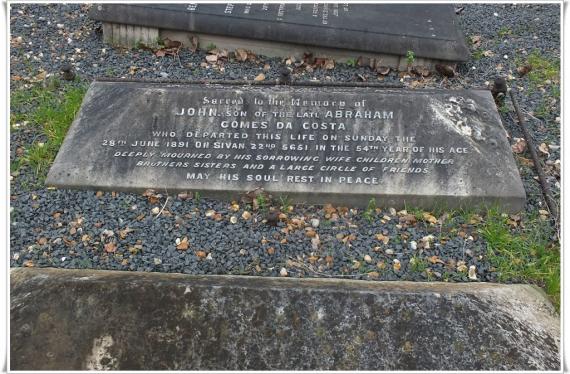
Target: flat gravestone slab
{"x":429,"y":30}
{"x":313,"y":144}
{"x":71,"y":320}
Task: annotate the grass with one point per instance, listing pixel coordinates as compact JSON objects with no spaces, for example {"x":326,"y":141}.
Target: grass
{"x":478,"y":54}
{"x":197,"y":196}
{"x":418,"y":265}
{"x":543,"y":68}
{"x":351,"y":62}
{"x":370,"y":210}
{"x":504,"y":108}
{"x":524,"y":254}
{"x":262,"y":202}
{"x":410,"y":57}
{"x":542,"y":110}
{"x":504,"y":31}
{"x":285,"y":203}
{"x":50,"y":107}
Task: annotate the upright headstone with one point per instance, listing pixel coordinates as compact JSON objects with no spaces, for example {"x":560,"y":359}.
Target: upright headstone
{"x":384,"y":31}
{"x":345,"y":146}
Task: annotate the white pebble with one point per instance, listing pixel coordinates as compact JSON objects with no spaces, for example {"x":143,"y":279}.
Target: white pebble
{"x":108,"y":232}
{"x":472,"y":272}
{"x":413,"y":245}
{"x":368,"y":259}
{"x":315,"y":222}
{"x":155,"y":210}
{"x":283,"y":272}
{"x":389,"y":251}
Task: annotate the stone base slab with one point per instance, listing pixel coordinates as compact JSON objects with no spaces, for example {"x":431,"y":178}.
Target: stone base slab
{"x":82,"y":319}
{"x":129,"y":36}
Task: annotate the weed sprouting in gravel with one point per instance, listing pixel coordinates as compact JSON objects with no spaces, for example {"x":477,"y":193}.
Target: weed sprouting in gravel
{"x":370,"y":210}
{"x":351,"y":62}
{"x":417,"y":264}
{"x":504,"y":32}
{"x":285,"y":203}
{"x":410,"y":57}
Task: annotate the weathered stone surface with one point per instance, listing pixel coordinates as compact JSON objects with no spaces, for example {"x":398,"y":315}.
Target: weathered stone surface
{"x":429,"y":30}
{"x":315,"y":145}
{"x":77,"y":319}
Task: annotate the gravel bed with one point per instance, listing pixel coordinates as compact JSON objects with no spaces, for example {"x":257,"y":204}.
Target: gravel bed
{"x":86,"y":229}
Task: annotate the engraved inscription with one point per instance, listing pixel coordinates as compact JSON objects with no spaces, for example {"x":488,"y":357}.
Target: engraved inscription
{"x":285,"y":138}
{"x":321,"y":12}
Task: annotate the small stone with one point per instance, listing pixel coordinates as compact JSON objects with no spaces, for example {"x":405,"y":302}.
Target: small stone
{"x":315,"y":222}
{"x":155,"y":210}
{"x":397,"y":265}
{"x":373,"y":275}
{"x":283,"y":272}
{"x":392,"y":211}
{"x":182,"y":244}
{"x":246,"y":215}
{"x":315,"y":242}
{"x":310,"y":233}
{"x":242,"y":252}
{"x":389,"y":251}
{"x":461,"y":267}
{"x":233,"y":219}
{"x":368,"y":259}
{"x":413,"y":245}
{"x":271,"y":251}
{"x":157,"y":261}
{"x":473,"y":272}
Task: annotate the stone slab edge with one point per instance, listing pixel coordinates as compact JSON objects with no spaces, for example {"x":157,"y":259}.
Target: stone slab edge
{"x":83,"y":319}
